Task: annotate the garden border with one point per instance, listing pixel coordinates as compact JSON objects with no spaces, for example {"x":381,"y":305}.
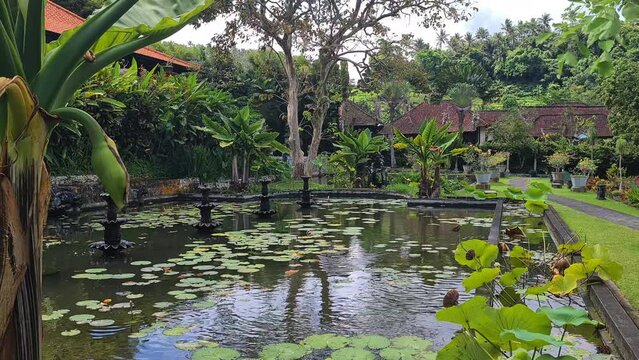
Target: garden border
{"x":620,"y":318}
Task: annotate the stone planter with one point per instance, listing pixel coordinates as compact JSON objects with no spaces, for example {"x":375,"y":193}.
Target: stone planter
{"x":501,"y":169}
{"x":579,"y":182}
{"x":494,"y":175}
{"x":558,"y":177}
{"x":467,"y":168}
{"x":483,"y":178}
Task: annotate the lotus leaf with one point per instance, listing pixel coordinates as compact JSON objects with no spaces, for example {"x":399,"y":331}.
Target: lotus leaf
{"x":483,"y":253}
{"x":526,"y":339}
{"x":465,"y":347}
{"x":480,"y":278}
{"x":102,"y":323}
{"x":509,"y":297}
{"x":567,"y":315}
{"x":194,"y":345}
{"x":162,"y":305}
{"x":393,"y":353}
{"x":512,"y":277}
{"x":563,"y":285}
{"x":463,"y":313}
{"x":95,"y":270}
{"x":492,"y":322}
{"x":411,"y":342}
{"x":82,"y":318}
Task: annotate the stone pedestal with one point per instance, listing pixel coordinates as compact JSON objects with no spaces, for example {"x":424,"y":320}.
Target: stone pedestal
{"x":265,"y":211}
{"x":306,"y":201}
{"x":113,"y":242}
{"x":206,"y":225}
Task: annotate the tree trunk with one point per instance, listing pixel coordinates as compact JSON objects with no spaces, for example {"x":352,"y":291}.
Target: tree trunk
{"x":620,"y":175}
{"x":245,"y":171}
{"x":235,"y":174}
{"x":391,"y":136}
{"x":535,"y":164}
{"x":292,"y":109}
{"x":437,"y":184}
{"x":424,"y":185}
{"x":322,"y":102}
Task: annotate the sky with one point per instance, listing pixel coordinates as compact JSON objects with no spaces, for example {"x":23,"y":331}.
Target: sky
{"x":491,"y":15}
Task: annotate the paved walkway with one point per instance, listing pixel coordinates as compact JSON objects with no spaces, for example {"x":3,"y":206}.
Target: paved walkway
{"x":593,"y":210}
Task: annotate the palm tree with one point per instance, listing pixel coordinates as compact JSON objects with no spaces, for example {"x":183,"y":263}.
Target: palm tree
{"x":37,"y":81}
{"x":247,"y":138}
{"x":394,"y":93}
{"x":622,"y":148}
{"x":432,"y":149}
{"x":469,"y":39}
{"x":546,"y":20}
{"x":354,"y":151}
{"x":461,"y":95}
{"x":442,"y":38}
{"x":482,"y":33}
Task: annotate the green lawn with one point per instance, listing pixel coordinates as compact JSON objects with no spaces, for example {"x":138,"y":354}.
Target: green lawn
{"x":591,"y":198}
{"x":622,"y":243}
{"x":286,"y":186}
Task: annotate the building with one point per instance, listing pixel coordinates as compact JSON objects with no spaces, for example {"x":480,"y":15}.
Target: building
{"x":555,"y":119}
{"x":59,"y":19}
{"x":353,"y":117}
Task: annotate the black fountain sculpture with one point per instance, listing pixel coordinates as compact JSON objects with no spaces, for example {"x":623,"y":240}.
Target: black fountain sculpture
{"x":265,"y":211}
{"x":113,"y":243}
{"x":206,"y":224}
{"x":306,"y":201}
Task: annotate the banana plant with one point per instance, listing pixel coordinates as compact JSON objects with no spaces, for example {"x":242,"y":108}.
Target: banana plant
{"x":36,"y":82}
{"x":431,"y":147}
{"x":354,"y":152}
{"x":247,"y":137}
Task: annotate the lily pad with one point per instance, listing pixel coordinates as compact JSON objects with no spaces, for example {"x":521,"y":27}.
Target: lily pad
{"x":331,"y":341}
{"x":82,"y":318}
{"x":215,"y":353}
{"x":194,"y":345}
{"x":374,"y":342}
{"x":102,"y":323}
{"x":162,"y":304}
{"x":283,"y":351}
{"x":141,"y":263}
{"x":95,"y":270}
{"x":350,"y":353}
{"x":411,"y":342}
{"x":176,"y":331}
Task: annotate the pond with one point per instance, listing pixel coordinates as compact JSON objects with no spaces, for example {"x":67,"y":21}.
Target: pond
{"x":347,"y":267}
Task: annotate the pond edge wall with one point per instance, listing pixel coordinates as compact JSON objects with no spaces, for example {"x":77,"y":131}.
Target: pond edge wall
{"x":619,"y":316}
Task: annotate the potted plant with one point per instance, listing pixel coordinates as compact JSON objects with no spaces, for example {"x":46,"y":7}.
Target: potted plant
{"x":469,"y":155}
{"x":586,"y":168}
{"x":617,"y":195}
{"x":558,"y":161}
{"x":495,"y":163}
{"x":483,"y":175}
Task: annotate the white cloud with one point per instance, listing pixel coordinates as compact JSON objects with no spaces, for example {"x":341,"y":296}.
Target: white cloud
{"x":491,"y":15}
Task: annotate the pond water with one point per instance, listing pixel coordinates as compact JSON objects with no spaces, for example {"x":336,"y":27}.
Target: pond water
{"x":347,"y":267}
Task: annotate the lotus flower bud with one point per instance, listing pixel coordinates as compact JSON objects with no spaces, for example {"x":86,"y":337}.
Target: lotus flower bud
{"x":470,"y":254}
{"x":451,"y":298}
{"x":503,"y":247}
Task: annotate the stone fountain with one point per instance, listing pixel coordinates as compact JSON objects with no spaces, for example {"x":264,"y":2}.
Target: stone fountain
{"x":206,"y":225}
{"x":265,"y":210}
{"x":113,"y":242}
{"x":306,"y":200}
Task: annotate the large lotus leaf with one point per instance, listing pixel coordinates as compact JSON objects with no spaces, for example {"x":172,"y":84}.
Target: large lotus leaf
{"x":512,"y":277}
{"x":550,"y":357}
{"x":476,"y":253}
{"x":492,"y":322}
{"x":283,"y":351}
{"x":374,"y":342}
{"x":324,"y":341}
{"x":350,"y":353}
{"x":563,"y":285}
{"x":526,"y":339}
{"x":462,"y":314}
{"x":536,"y":207}
{"x":520,"y":257}
{"x":480,"y":278}
{"x":509,"y":297}
{"x":520,"y":354}
{"x":570,"y":248}
{"x":567,"y":315}
{"x":538,"y":290}
{"x":465,"y":347}
{"x":216,"y":353}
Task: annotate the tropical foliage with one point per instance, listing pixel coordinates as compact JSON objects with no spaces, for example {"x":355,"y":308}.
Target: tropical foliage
{"x":247,"y":138}
{"x":37,"y":80}
{"x":517,"y":318}
{"x":354,"y":153}
{"x":432,"y":149}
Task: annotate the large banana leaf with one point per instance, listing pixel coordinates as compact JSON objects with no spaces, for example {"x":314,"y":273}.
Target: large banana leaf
{"x":146,"y":22}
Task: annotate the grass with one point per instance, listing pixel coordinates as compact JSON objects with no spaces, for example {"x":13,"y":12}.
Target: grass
{"x":591,"y":198}
{"x":622,"y":243}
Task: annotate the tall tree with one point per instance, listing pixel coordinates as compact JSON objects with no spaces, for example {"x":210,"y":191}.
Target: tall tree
{"x":341,"y":28}
{"x":442,"y":38}
{"x":394,"y":93}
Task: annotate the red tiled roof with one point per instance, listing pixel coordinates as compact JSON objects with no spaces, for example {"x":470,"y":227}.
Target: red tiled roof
{"x":59,"y":19}
{"x":546,"y":119}
{"x":352,"y":115}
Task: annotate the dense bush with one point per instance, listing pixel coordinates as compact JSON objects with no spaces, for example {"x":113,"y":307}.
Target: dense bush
{"x":151,"y":116}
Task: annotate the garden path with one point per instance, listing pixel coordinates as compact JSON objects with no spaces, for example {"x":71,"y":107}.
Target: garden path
{"x":596,"y":211}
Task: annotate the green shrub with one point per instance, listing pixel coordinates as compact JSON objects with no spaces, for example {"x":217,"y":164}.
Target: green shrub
{"x":408,"y":189}
{"x":633,"y":196}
